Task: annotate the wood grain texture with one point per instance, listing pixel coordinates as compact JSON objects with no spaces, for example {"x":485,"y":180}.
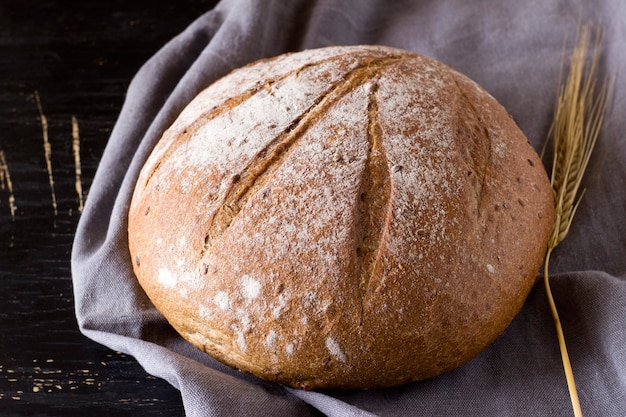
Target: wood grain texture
{"x":78,"y":58}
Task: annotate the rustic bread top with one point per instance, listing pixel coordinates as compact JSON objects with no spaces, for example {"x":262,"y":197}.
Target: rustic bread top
{"x":345,"y":217}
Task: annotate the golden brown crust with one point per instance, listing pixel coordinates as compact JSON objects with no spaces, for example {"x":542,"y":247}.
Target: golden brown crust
{"x":348,"y":217}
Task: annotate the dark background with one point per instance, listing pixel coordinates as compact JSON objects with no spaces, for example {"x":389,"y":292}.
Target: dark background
{"x":78,"y":57}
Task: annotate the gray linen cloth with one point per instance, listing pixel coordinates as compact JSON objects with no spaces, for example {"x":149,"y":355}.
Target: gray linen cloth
{"x":513,"y":48}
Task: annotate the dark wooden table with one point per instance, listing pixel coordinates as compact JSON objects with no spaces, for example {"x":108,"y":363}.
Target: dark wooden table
{"x":64,"y":69}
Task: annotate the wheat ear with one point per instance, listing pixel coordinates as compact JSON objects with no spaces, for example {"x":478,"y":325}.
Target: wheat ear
{"x":579,"y":114}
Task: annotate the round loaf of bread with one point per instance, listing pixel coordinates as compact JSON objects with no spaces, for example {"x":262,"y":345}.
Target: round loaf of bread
{"x":346,"y":217}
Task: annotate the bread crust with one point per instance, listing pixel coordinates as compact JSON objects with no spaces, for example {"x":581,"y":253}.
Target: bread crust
{"x":346,"y":217}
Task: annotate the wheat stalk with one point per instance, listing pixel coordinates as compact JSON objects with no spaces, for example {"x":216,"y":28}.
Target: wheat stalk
{"x":579,"y":114}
